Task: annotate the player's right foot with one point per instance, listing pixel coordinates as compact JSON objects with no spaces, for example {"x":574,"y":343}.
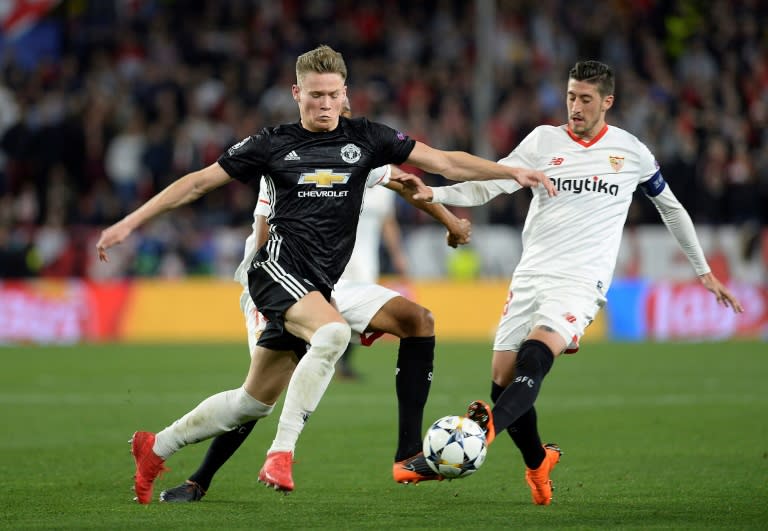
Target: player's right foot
{"x":149,"y":465}
{"x":481,"y":413}
{"x":413,"y":470}
{"x":538,"y":479}
{"x":189,"y":491}
{"x":277,"y":471}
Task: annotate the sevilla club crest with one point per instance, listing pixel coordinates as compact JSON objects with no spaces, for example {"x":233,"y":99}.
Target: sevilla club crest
{"x":616,"y":162}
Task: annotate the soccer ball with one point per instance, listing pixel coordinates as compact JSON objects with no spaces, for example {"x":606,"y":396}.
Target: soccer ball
{"x":455,"y":447}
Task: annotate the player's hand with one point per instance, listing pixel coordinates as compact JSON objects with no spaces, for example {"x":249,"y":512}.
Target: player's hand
{"x":529,"y":178}
{"x":111,"y":236}
{"x":460,"y":234}
{"x":413,"y":186}
{"x":723,"y":295}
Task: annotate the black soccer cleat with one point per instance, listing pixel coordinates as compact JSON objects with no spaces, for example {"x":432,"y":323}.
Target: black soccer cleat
{"x":189,"y":491}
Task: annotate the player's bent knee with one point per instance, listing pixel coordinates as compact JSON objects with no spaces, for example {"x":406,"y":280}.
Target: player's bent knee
{"x":330,"y":340}
{"x":417,"y":322}
{"x":427,"y":321}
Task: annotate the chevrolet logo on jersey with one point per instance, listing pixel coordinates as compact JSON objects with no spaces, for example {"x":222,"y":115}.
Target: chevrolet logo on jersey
{"x":324,"y":178}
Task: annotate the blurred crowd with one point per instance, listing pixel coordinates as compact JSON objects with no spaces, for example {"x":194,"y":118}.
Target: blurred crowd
{"x":137,"y":93}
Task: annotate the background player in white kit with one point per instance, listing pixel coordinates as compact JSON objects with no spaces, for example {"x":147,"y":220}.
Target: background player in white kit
{"x":378,"y":225}
{"x":570,"y":244}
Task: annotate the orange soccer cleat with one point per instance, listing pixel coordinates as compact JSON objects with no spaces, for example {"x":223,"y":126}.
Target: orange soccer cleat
{"x":538,"y":480}
{"x":481,"y":413}
{"x":413,"y":470}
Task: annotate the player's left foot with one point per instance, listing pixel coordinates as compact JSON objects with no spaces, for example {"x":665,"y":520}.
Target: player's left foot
{"x":413,"y":470}
{"x":189,"y":491}
{"x":277,"y":471}
{"x":538,"y":480}
{"x":149,"y":465}
{"x":481,"y":413}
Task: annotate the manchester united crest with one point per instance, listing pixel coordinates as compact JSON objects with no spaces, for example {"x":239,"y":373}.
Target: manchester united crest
{"x":350,"y":153}
{"x":616,"y":162}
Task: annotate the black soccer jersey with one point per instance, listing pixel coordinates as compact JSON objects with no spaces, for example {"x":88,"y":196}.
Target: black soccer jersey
{"x":315,"y":183}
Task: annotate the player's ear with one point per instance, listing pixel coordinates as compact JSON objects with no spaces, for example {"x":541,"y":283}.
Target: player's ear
{"x":608,"y":102}
{"x":295,"y":89}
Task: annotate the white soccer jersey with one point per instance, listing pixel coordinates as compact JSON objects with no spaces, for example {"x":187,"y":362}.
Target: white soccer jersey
{"x":263,"y":208}
{"x":577,"y":233}
{"x":363,"y":265}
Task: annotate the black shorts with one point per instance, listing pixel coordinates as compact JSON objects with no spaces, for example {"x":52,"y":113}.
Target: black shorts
{"x":275,"y":285}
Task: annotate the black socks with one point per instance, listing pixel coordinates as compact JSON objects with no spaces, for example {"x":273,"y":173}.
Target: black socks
{"x":412,"y":382}
{"x":513,"y":408}
{"x":524,"y":432}
{"x":221,"y":449}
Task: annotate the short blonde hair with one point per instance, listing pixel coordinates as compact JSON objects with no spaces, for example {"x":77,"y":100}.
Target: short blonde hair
{"x":322,"y":60}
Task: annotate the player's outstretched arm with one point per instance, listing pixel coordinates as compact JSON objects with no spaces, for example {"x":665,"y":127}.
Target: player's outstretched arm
{"x":180,"y":192}
{"x":466,"y":194}
{"x":723,"y":295}
{"x":680,"y":225}
{"x":461,"y":166}
{"x":459,"y":230}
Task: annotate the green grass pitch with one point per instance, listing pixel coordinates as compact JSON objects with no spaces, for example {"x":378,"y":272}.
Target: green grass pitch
{"x":655,"y":436}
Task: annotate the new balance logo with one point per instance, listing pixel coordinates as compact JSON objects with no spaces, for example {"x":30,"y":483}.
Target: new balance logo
{"x":292,"y":156}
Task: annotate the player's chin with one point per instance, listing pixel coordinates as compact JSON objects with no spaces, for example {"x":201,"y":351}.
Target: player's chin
{"x":324,"y":123}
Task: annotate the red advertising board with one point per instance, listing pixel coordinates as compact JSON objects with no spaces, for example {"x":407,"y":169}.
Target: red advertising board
{"x":60,"y":312}
{"x":689,"y":311}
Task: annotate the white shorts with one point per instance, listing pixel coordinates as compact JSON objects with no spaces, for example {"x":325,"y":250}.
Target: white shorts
{"x":357,"y":303}
{"x":566,"y":306}
{"x":254,"y":321}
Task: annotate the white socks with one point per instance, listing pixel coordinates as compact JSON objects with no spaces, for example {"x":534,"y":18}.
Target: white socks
{"x":309,"y":382}
{"x":216,"y":414}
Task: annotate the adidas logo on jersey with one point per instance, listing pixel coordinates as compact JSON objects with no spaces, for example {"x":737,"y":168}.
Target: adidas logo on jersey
{"x":292,"y":156}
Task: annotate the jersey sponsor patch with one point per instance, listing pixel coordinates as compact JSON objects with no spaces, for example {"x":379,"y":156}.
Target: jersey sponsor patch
{"x":654,"y":186}
{"x":324,"y":178}
{"x":585,"y":184}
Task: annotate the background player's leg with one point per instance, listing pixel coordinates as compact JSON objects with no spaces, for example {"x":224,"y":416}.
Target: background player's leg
{"x":413,"y":379}
{"x":415,"y":327}
{"x":344,"y":368}
{"x":221,"y":449}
